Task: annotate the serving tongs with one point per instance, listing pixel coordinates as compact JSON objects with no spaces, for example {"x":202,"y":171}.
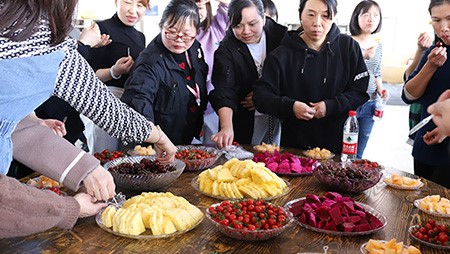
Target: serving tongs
{"x":117,"y":200}
{"x":420,"y":124}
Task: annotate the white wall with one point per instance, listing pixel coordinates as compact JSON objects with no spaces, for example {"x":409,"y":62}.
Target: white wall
{"x":402,"y":23}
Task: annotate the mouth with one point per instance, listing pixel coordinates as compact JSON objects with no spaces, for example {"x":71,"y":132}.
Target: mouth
{"x":131,"y":19}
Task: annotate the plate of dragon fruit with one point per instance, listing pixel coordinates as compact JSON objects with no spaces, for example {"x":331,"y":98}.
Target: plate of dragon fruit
{"x":287,"y":163}
{"x":335,"y":214}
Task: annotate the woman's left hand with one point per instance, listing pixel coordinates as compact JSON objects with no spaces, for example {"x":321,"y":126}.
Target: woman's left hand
{"x":321,"y":109}
{"x":248,"y":102}
{"x":57,"y":126}
{"x":434,"y":137}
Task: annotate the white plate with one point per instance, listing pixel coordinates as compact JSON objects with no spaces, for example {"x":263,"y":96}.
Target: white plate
{"x":364,"y":251}
{"x":145,"y":235}
{"x":196,"y":186}
{"x":416,"y":204}
{"x":368,"y":209}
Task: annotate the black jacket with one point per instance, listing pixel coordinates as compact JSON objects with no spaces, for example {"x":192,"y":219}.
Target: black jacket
{"x":293,"y":72}
{"x":157,"y":89}
{"x":123,"y":38}
{"x":233,"y":74}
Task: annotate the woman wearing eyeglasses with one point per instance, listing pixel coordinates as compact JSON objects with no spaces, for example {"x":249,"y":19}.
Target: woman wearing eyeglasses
{"x":168,"y":83}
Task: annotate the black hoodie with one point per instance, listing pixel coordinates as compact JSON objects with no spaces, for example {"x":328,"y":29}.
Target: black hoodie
{"x":293,"y":72}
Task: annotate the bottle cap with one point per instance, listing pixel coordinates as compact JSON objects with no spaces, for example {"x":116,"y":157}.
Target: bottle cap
{"x":352,"y":113}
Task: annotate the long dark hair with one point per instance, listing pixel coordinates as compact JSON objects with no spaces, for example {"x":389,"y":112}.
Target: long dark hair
{"x":180,"y":10}
{"x":21,"y":18}
{"x":331,"y":7}
{"x":235,"y":10}
{"x":361,"y":8}
{"x":209,"y":16}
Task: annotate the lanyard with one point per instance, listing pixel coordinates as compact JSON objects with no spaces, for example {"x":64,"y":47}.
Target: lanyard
{"x":195,"y":92}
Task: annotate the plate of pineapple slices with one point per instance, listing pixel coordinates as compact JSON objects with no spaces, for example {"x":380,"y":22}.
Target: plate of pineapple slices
{"x":150,"y":215}
{"x":402,"y":182}
{"x":391,"y":246}
{"x":237,"y":179}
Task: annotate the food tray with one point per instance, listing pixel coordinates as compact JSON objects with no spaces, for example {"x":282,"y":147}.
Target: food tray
{"x":364,"y":251}
{"x":432,"y":245}
{"x":196,"y":186}
{"x":416,"y":204}
{"x":369,"y":209}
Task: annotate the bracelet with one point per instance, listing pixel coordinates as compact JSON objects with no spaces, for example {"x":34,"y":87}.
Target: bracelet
{"x":161,"y":133}
{"x":111,"y":72}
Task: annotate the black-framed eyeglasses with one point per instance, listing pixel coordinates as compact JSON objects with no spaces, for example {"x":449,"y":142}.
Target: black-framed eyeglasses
{"x":174,"y":37}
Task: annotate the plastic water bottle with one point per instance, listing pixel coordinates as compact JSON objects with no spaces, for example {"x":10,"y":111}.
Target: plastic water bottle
{"x":350,"y":138}
{"x":379,"y":107}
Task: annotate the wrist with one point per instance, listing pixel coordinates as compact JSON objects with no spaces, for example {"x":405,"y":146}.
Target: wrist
{"x":111,"y":72}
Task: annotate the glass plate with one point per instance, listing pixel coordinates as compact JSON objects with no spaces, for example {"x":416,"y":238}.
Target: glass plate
{"x":432,"y":245}
{"x":320,"y":159}
{"x":294,"y":174}
{"x":196,"y":186}
{"x":369,"y":209}
{"x":364,"y":251}
{"x":145,"y":235}
{"x":400,"y":187}
{"x":416,"y":204}
{"x":36,"y":179}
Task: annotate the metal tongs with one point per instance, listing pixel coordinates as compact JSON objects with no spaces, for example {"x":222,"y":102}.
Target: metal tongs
{"x":421,"y":124}
{"x":117,"y":200}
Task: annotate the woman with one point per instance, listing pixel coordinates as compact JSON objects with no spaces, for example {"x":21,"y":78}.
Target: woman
{"x":237,"y":64}
{"x":113,"y":62}
{"x":211,"y":32}
{"x":313,"y":79}
{"x":42,"y":62}
{"x":168,"y":83}
{"x":365,"y":22}
{"x":431,"y":78}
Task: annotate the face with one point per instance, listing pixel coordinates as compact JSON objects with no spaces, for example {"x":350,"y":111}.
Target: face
{"x":250,"y":29}
{"x":369,"y":21}
{"x":315,"y":21}
{"x":130,"y":11}
{"x":202,"y":9}
{"x":180,"y":37}
{"x":440,"y":19}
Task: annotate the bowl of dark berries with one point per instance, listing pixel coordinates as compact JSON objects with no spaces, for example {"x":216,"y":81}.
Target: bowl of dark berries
{"x":347,"y":177}
{"x":197,"y":157}
{"x":143,"y":173}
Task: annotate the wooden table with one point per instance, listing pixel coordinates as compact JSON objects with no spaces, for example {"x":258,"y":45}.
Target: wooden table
{"x":87,"y":237}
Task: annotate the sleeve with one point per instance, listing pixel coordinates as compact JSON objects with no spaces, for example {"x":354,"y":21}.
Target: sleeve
{"x":226,"y":90}
{"x":84,"y":50}
{"x":38,"y":148}
{"x":27,"y":210}
{"x":141,"y":90}
{"x":78,"y":85}
{"x":267,"y":92}
{"x":355,"y":91}
{"x":221,"y":21}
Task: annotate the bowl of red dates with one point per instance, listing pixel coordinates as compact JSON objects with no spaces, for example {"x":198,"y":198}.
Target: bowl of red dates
{"x":432,"y":234}
{"x":249,"y":219}
{"x":347,"y":177}
{"x":197,"y":157}
{"x":143,"y":173}
{"x":106,"y":156}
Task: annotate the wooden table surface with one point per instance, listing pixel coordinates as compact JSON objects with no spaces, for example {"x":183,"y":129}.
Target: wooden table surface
{"x":88,"y":237}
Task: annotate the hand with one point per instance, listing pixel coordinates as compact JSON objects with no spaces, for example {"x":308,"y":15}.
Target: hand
{"x":437,"y":57}
{"x":91,"y":36}
{"x":123,"y":65}
{"x":88,"y":207}
{"x":424,"y":41}
{"x":248,"y":102}
{"x":321,"y":109}
{"x":441,"y":112}
{"x":57,"y":126}
{"x":434,"y":137}
{"x":303,"y":111}
{"x":368,"y":53}
{"x":224,"y":137}
{"x":100,"y":184}
{"x":383,"y":93}
{"x":165,"y":150}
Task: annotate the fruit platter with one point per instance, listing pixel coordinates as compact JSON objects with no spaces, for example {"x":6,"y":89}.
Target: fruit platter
{"x":197,"y":157}
{"x":143,"y":173}
{"x":46,"y":183}
{"x":431,"y":234}
{"x":150,"y":215}
{"x":319,"y":153}
{"x":286,"y":163}
{"x":335,"y":214}
{"x":240,"y":179}
{"x":392,"y":246}
{"x":434,"y":205}
{"x":106,"y":156}
{"x":347,"y":177}
{"x":269,"y":148}
{"x":248,"y":219}
{"x":139,"y":150}
{"x":403,"y":182}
